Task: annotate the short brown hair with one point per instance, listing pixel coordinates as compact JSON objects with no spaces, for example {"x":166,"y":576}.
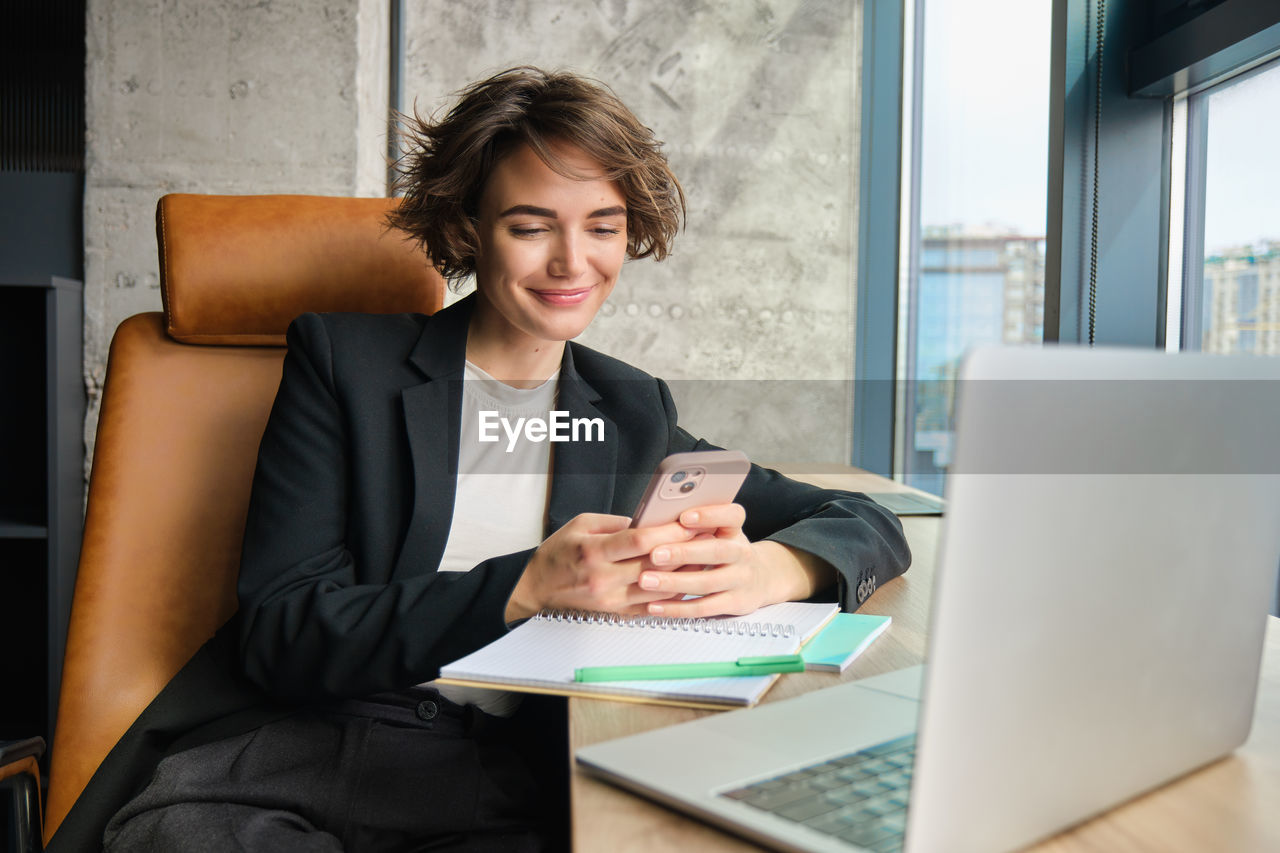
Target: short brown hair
{"x":446,"y":163}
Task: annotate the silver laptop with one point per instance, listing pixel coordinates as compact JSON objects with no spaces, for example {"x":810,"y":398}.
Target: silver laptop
{"x":1109,"y":553}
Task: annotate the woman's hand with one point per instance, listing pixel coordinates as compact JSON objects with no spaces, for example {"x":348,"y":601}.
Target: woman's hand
{"x":592,"y":563}
{"x":733,"y":575}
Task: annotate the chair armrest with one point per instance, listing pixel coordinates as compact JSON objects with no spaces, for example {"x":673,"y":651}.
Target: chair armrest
{"x":11,"y":751}
{"x":20,"y":795}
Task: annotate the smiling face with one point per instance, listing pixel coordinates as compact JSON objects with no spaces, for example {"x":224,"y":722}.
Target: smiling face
{"x":551,"y":248}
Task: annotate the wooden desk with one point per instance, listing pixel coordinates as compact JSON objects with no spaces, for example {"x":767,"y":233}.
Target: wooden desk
{"x":1229,"y":805}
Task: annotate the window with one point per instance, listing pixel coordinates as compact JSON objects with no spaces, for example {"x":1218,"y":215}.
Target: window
{"x":975,"y":272}
{"x":1226,"y":228}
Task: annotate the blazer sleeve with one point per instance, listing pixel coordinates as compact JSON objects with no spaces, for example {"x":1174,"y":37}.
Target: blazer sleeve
{"x":313,"y":623}
{"x":862,"y":540}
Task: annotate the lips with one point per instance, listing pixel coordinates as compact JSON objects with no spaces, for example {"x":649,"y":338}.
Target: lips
{"x":563,"y":297}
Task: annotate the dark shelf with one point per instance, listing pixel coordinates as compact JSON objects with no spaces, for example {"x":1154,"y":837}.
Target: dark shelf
{"x":41,"y":488}
{"x":19,"y":530}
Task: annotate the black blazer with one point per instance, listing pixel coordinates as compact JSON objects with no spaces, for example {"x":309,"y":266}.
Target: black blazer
{"x":350,"y":511}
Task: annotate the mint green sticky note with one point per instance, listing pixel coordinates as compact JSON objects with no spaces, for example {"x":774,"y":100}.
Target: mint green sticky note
{"x":844,"y":638}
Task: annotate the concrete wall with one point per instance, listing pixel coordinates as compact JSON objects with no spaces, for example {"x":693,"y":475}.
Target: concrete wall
{"x":752,"y":317}
{"x":757,"y":102}
{"x":282,"y":96}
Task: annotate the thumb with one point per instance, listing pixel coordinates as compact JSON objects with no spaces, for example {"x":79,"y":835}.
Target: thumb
{"x":598,"y":522}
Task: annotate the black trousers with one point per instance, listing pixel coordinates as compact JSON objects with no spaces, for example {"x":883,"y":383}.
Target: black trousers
{"x":402,"y":771}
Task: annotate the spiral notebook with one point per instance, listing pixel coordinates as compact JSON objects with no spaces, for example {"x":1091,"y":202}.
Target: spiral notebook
{"x":541,"y":655}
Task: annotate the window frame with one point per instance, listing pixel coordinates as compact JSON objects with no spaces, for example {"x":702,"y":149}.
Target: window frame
{"x":885,"y":125}
{"x":1190,"y":155}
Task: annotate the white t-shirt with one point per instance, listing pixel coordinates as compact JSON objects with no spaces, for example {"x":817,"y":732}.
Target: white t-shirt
{"x":503,"y":487}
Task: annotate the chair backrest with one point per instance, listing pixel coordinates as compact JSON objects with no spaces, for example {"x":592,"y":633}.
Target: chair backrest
{"x":184,"y":405}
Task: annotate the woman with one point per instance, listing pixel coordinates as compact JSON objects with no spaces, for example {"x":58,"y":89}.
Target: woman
{"x":385,"y":538}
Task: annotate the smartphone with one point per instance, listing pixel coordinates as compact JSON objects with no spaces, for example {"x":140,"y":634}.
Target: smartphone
{"x":687,"y":480}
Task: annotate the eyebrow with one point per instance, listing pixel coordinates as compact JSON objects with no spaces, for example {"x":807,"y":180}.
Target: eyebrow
{"x":532,"y":210}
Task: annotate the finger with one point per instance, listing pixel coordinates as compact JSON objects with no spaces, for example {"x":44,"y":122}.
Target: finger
{"x":639,"y":608}
{"x":706,"y":551}
{"x":690,"y":583}
{"x":641,"y":597}
{"x":611,"y":589}
{"x":629,"y":601}
{"x":717,"y":604}
{"x":714,"y":516}
{"x":598,"y":522}
{"x":602,"y":573}
{"x":640,"y":541}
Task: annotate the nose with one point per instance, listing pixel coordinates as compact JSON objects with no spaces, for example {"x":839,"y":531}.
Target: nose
{"x":568,"y":260}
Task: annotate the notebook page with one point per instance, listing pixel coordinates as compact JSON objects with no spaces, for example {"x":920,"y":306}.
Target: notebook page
{"x":545,"y":652}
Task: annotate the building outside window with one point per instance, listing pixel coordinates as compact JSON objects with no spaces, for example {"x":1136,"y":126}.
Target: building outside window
{"x":976,"y":271}
{"x":1229,"y":227}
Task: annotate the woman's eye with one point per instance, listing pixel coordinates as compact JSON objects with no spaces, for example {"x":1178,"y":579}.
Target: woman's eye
{"x":606,"y":231}
{"x":528,"y":231}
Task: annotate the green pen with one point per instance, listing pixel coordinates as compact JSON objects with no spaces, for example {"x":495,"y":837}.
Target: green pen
{"x":648,"y":672}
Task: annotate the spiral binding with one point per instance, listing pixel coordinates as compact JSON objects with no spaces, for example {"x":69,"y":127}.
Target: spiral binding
{"x":671,"y":623}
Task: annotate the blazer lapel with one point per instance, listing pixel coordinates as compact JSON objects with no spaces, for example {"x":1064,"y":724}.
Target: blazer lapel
{"x":431,"y":412}
{"x":582,"y":472}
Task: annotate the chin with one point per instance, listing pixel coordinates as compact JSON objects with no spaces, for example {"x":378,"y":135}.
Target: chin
{"x":563,"y":330}
{"x":564,"y":323}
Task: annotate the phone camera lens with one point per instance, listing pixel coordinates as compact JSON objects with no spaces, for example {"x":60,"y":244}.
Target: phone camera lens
{"x":678,"y":476}
{"x":688,"y":487}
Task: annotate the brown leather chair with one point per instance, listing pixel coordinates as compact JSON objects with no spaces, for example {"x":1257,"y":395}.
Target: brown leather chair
{"x":186,"y":398}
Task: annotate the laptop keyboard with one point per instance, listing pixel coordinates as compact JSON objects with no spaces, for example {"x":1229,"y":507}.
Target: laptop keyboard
{"x":860,"y":797}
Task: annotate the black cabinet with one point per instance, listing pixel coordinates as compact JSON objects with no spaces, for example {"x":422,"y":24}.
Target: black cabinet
{"x":42,"y":406}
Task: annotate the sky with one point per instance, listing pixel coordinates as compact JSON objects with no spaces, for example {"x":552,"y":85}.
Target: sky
{"x":1242,"y":178}
{"x":985,"y":134}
